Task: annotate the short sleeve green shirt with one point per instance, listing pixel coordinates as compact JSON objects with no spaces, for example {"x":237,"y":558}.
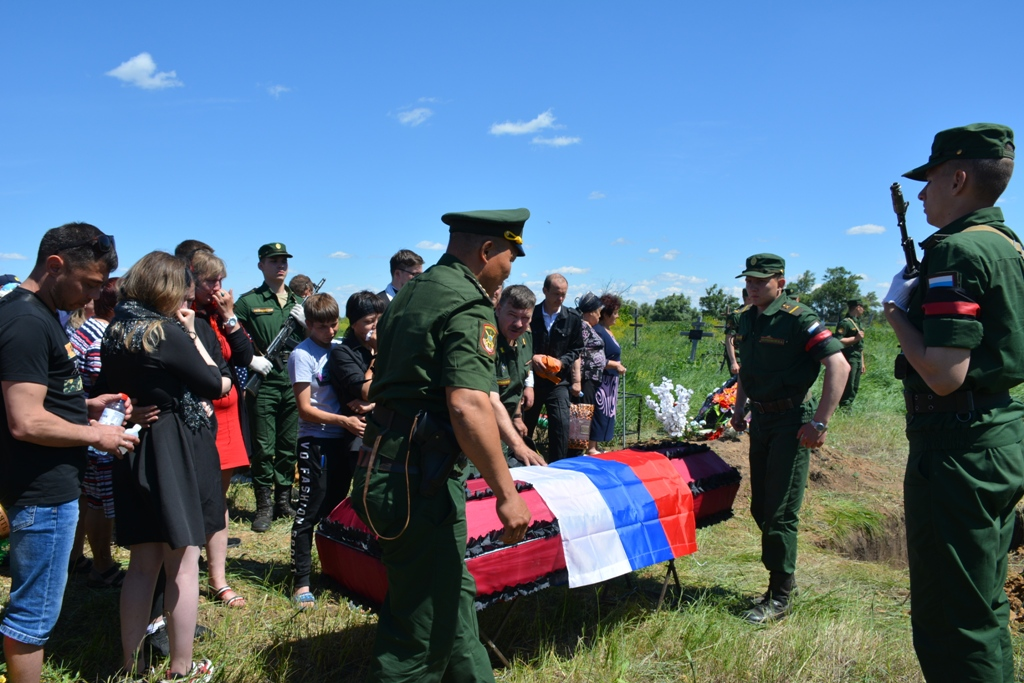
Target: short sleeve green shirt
{"x":262,"y":316}
{"x":438,"y":332}
{"x":511,"y":367}
{"x":782,"y":349}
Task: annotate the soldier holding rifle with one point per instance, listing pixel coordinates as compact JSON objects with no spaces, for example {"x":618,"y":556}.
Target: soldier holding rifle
{"x":959,"y":324}
{"x":272,"y":412}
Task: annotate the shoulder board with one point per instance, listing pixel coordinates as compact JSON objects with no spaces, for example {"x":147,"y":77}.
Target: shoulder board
{"x":744,"y":309}
{"x":792,"y":308}
{"x":251,"y":291}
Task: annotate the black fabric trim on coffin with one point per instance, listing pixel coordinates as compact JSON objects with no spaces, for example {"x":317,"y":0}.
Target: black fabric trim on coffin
{"x":716,"y":518}
{"x":715,"y":481}
{"x":357,"y":540}
{"x":674,"y":449}
{"x":488,"y":492}
{"x":481,"y":545}
{"x":559,"y":577}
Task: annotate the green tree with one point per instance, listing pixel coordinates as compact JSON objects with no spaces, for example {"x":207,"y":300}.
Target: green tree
{"x":829,"y":300}
{"x":631,"y":309}
{"x":717,"y":303}
{"x":673,"y":308}
{"x":802,"y":286}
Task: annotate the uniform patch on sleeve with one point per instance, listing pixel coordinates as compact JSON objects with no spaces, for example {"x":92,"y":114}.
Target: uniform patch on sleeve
{"x":946,"y":298}
{"x":817,"y":335}
{"x":488,"y":338}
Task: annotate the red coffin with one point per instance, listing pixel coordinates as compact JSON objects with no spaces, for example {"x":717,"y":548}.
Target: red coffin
{"x":349,"y":552}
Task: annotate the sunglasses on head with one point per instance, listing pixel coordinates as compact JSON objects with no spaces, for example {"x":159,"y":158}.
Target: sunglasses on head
{"x":100,"y":243}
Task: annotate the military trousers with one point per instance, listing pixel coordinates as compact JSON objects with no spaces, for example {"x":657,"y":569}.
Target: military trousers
{"x":959,"y":507}
{"x":778,"y":477}
{"x":427,"y":630}
{"x":556,"y":398}
{"x":852,"y":382}
{"x":274,"y":420}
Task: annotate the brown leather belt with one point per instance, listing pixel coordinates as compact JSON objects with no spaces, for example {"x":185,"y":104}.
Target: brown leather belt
{"x":780,"y":406}
{"x":957,"y":402}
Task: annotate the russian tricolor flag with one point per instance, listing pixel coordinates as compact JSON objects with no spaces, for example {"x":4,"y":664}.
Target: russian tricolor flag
{"x":617,"y":512}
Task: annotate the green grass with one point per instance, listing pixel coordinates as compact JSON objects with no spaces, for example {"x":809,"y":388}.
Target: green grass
{"x":850,"y":621}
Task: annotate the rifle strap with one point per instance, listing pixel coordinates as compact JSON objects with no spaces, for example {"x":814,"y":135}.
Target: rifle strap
{"x":988,"y":228}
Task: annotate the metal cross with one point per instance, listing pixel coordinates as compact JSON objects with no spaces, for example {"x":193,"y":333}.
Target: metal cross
{"x":636,"y":325}
{"x":695,"y":335}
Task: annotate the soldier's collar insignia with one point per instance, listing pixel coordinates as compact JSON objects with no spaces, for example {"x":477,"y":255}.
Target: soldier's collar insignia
{"x":489,"y":338}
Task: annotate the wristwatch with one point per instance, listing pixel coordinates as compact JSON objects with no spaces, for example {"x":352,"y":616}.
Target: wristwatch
{"x":819,"y":427}
{"x":230,"y":322}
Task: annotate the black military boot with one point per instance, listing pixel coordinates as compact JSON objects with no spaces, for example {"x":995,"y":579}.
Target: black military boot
{"x":283,"y":502}
{"x":775,"y":604}
{"x":264,"y":509}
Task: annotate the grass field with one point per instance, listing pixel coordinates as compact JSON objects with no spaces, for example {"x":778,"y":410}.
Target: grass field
{"x":850,"y":621}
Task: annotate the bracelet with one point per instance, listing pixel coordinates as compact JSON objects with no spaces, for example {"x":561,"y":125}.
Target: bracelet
{"x":192,"y":334}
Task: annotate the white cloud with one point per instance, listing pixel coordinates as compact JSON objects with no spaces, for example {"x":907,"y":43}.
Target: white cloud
{"x":867,"y":229}
{"x":13,"y":257}
{"x":560,"y":141}
{"x":568,"y":270}
{"x":679,"y":277}
{"x":793,"y":254}
{"x":340,"y":254}
{"x":653,"y":250}
{"x":414,"y":117}
{"x":542,"y":121}
{"x":433,"y":246}
{"x":621,"y":240}
{"x":277,"y":90}
{"x":140,"y":71}
{"x":671,"y":254}
{"x":428,"y":100}
{"x":596,"y":195}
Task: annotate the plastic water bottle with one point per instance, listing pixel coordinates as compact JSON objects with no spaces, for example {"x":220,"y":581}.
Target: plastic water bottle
{"x":115,"y":411}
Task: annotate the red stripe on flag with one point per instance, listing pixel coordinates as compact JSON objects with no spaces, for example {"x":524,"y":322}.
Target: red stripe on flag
{"x":816,"y":339}
{"x":952,"y":308}
{"x":670,"y":492}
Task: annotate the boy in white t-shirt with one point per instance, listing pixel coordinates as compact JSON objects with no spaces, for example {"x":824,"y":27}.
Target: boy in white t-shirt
{"x":325,"y":474}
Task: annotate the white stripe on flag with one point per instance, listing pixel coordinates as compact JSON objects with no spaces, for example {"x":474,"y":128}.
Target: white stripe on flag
{"x":593,"y":550}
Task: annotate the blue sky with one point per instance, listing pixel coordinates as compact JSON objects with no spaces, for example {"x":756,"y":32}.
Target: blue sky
{"x":656,"y":144}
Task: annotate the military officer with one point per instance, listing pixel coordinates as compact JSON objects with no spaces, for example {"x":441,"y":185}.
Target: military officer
{"x":851,"y":336}
{"x":272,"y":412}
{"x":783,"y":345}
{"x":961,"y":329}
{"x":432,"y":381}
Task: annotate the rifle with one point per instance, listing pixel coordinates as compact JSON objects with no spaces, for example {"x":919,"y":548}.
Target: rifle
{"x":899,"y":205}
{"x":275,"y":350}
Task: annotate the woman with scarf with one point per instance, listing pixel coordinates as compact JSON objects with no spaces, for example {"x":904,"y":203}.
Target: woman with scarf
{"x":152,"y":353}
{"x":219,"y":330}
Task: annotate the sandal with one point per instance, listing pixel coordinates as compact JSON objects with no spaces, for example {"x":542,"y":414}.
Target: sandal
{"x":112,"y":578}
{"x":303,"y":601}
{"x":83,"y":565}
{"x":233,"y":600}
{"x":201,"y":672}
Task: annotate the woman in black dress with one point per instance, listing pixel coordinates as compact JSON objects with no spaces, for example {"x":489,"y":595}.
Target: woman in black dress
{"x":151,"y":352}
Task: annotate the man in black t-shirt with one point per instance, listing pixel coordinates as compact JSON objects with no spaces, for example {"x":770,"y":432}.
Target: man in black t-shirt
{"x":45,"y":433}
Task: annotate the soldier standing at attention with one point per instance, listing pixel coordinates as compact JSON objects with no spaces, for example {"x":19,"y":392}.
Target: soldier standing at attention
{"x":783,"y":345}
{"x":961,"y":329}
{"x":851,"y":336}
{"x":432,"y":382}
{"x":272,"y":412}
{"x":732,"y":324}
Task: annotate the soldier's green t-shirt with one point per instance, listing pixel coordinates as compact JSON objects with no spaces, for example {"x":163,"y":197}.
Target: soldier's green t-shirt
{"x":511,"y":367}
{"x":970,"y":296}
{"x":848,"y":327}
{"x":782,"y":349}
{"x":438,"y":332}
{"x":260,"y":312}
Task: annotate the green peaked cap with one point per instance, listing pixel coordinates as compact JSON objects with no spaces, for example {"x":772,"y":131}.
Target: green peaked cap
{"x":764,"y":265}
{"x":274,"y":249}
{"x":506,"y":223}
{"x":976,"y":141}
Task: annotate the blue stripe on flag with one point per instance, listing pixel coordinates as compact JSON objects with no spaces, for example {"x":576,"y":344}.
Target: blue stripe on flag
{"x":632,"y":507}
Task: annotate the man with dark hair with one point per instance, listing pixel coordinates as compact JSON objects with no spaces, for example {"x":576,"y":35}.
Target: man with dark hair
{"x":301,"y":286}
{"x":557,"y":344}
{"x":851,"y":336}
{"x":49,"y":423}
{"x":514,"y":359}
{"x":273,"y":414}
{"x":405,"y":265}
{"x":961,"y":330}
{"x":434,"y":373}
{"x":784,"y":346}
{"x":186,"y":248}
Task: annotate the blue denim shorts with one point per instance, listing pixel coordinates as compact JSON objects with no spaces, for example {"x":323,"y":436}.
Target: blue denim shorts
{"x":41,"y":540}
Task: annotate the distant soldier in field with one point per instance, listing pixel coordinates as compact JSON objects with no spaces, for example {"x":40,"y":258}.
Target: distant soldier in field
{"x":851,"y":336}
{"x":783,"y":346}
{"x":732,"y":323}
{"x":961,"y":328}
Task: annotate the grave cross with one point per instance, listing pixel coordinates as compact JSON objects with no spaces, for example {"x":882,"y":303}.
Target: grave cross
{"x":636,"y":325}
{"x":695,"y":335}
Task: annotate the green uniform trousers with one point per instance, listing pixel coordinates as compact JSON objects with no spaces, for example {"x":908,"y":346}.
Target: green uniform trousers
{"x":427,"y":629}
{"x":959,"y":507}
{"x":778,"y":477}
{"x":275,"y":427}
{"x":853,"y":382}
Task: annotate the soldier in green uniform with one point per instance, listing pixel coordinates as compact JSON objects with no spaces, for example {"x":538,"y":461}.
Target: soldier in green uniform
{"x":732,"y":324}
{"x":783,"y":345}
{"x":432,"y":381}
{"x":272,"y":412}
{"x":851,"y":336}
{"x":513,"y":374}
{"x":961,"y":328}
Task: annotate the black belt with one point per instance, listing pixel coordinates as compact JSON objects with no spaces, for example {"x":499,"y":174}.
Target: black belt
{"x":782,"y":405}
{"x":957,"y":402}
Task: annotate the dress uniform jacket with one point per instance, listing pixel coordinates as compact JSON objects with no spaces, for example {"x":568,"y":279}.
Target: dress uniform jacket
{"x":511,"y":368}
{"x":965,"y":473}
